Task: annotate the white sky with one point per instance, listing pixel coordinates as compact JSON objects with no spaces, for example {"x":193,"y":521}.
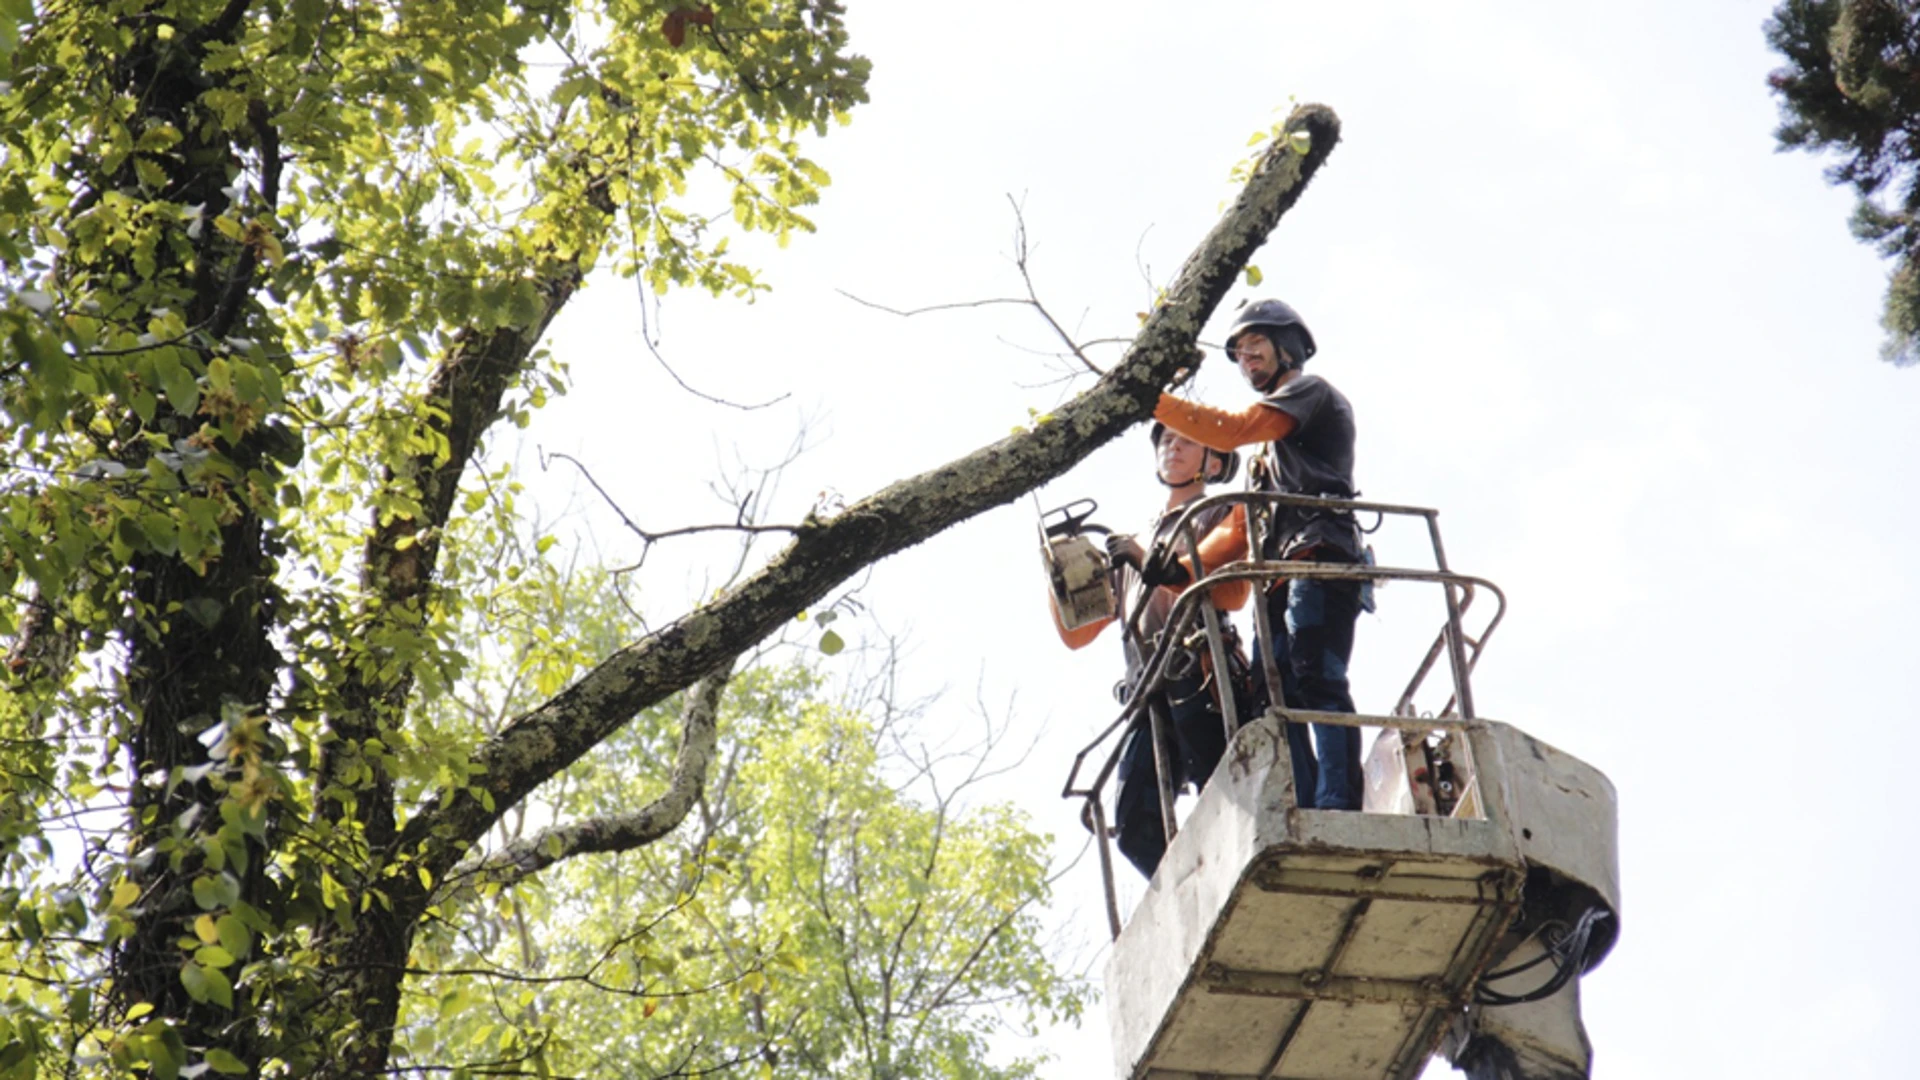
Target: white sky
{"x":1579,"y":304}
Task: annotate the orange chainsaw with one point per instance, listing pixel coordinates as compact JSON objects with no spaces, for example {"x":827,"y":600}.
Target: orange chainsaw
{"x":1078,"y":569}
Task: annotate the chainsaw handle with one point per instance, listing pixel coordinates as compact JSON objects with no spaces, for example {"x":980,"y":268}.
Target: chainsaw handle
{"x":1071,"y":523}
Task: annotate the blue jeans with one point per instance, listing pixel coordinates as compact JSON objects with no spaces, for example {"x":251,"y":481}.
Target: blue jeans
{"x":1312,"y":623}
{"x":1195,"y":742}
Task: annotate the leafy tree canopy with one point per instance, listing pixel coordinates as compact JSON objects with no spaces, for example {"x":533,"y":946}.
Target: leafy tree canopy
{"x":271,"y":271}
{"x":1851,"y":85}
{"x":813,"y":920}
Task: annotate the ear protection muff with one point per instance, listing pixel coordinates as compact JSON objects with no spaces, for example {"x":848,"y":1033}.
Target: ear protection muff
{"x":1229,"y":466}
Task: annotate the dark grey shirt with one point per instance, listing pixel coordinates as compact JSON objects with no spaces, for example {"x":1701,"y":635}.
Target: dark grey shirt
{"x":1159,"y":601}
{"x":1316,"y":458}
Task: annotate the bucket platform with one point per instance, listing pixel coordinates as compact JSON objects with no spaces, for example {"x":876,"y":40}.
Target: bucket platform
{"x":1287,"y":944}
{"x":1454,"y":913}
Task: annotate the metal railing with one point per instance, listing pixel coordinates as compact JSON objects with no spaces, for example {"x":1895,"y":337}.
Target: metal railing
{"x":1194,"y":607}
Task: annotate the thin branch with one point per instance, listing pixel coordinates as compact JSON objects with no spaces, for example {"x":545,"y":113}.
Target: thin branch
{"x":622,"y":832}
{"x":646,"y":331}
{"x":1140,"y":262}
{"x":1020,"y":260}
{"x":961,"y":305}
{"x":579,"y":978}
{"x":1021,"y":257}
{"x":648,"y":538}
{"x":701,"y":394}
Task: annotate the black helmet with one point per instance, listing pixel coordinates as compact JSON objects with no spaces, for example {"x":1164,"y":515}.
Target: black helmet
{"x":1229,"y":461}
{"x":1276,"y":314}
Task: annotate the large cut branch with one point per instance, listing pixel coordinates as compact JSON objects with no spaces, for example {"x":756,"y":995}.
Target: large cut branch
{"x":618,"y":832}
{"x":824,"y":553}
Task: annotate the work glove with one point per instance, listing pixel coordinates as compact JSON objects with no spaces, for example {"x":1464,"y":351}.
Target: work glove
{"x":1164,"y":569}
{"x":1124,"y":550}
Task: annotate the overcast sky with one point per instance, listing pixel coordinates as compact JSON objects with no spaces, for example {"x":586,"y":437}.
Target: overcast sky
{"x":1579,"y":304}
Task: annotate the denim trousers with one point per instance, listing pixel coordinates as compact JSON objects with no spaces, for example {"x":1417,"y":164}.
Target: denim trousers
{"x":1195,"y":741}
{"x":1312,"y":622}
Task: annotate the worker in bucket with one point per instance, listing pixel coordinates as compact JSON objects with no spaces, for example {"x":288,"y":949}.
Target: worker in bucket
{"x":1307,"y":430}
{"x":1197,"y":737}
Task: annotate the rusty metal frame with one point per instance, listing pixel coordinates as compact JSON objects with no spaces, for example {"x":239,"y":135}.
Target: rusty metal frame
{"x":1462,"y":651}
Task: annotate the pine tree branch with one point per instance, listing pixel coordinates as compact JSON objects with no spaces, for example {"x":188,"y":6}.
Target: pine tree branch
{"x":826,"y":552}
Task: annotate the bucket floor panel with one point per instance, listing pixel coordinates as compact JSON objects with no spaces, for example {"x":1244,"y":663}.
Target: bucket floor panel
{"x":1285,"y":944}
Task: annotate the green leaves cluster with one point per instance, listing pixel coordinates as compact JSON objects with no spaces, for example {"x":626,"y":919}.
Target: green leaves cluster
{"x":270,"y":271}
{"x":816,"y":920}
{"x":1297,"y":141}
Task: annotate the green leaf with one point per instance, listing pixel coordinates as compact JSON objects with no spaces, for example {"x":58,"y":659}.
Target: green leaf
{"x":205,"y":984}
{"x":525,"y":306}
{"x":166,"y":1053}
{"x":233,"y":934}
{"x":144,"y":405}
{"x":215,"y":891}
{"x":213,"y":956}
{"x":182,"y":389}
{"x":1254,"y":276}
{"x":225,"y":1062}
{"x":194,"y":978}
{"x":831,"y":643}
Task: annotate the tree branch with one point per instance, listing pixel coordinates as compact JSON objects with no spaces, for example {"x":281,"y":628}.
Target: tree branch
{"x":619,"y":832}
{"x":1021,"y":259}
{"x":825,"y":552}
{"x":648,"y":538}
{"x":224,"y":24}
{"x":461,"y":402}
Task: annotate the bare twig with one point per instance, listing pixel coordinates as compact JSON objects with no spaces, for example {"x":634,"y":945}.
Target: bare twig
{"x":701,"y":394}
{"x":649,"y":537}
{"x":1145,"y":268}
{"x":646,"y":330}
{"x":958,"y":305}
{"x":1021,"y":258}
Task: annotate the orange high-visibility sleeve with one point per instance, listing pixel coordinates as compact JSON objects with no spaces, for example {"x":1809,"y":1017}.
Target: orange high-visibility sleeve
{"x":1220,"y":429}
{"x":1230,"y":595}
{"x":1225,"y":543}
